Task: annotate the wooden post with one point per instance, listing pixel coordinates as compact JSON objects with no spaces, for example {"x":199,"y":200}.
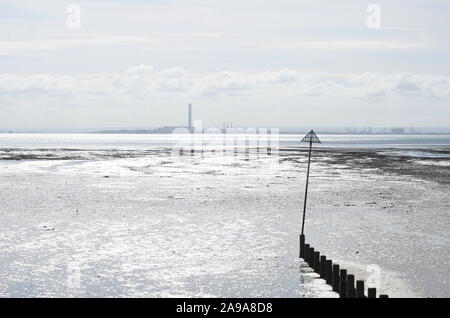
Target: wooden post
{"x":351,"y":293}
{"x":311,"y":257}
{"x":371,"y":293}
{"x":302,"y":246}
{"x":317,"y":262}
{"x":323,"y":264}
{"x":336,"y":278}
{"x":360,"y":289}
{"x":329,"y":271}
{"x":343,"y":283}
{"x":306,"y":253}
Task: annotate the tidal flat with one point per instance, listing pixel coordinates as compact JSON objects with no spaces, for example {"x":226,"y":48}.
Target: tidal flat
{"x":145,"y":223}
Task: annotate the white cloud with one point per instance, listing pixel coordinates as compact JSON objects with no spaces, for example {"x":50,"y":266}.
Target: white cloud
{"x":32,"y":46}
{"x":172,"y":79}
{"x":339,"y":45}
{"x":142,"y":80}
{"x":140,"y":70}
{"x":282,"y":76}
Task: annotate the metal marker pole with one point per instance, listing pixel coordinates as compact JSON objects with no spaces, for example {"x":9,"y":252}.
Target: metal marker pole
{"x":306,"y":190}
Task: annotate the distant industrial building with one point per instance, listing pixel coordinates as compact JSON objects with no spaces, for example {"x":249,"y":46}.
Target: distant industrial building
{"x":397,"y":130}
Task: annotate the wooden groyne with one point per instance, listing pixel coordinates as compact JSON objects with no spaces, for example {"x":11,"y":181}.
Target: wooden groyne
{"x":341,"y":282}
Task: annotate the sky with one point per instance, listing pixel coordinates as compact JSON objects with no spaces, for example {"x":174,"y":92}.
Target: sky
{"x":99,"y":64}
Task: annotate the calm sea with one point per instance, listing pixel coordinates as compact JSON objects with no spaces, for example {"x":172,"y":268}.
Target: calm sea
{"x":143,"y":141}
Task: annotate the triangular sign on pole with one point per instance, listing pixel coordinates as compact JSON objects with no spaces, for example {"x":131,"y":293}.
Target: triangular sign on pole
{"x":311,"y":137}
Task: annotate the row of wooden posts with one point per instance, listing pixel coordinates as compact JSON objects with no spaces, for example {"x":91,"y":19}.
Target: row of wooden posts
{"x":341,"y":282}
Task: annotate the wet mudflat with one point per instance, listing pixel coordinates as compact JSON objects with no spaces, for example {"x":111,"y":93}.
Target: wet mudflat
{"x":146,"y":223}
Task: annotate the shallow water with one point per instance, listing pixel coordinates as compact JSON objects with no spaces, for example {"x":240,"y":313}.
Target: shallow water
{"x":145,"y":141}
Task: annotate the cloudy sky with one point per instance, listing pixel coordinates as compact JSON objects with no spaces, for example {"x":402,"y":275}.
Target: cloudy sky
{"x":136,"y":64}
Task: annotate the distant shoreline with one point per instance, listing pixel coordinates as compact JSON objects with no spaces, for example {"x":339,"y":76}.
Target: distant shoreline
{"x":150,"y":132}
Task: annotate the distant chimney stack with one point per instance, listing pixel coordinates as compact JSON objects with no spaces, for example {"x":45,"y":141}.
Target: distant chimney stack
{"x":190,"y":118}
